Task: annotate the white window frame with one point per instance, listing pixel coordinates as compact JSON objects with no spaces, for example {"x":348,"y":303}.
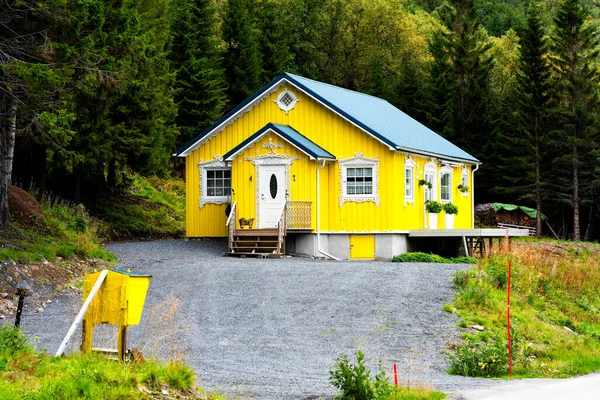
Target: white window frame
{"x":286,"y":107}
{"x":430,"y":170}
{"x":446,"y":170}
{"x":464,"y":180}
{"x":214,"y":165}
{"x":358,"y":161}
{"x":409,"y":190}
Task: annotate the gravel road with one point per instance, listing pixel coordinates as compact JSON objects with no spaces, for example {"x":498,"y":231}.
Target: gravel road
{"x":271,"y":329}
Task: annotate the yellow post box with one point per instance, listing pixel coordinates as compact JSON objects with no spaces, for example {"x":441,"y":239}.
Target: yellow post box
{"x":119,"y":301}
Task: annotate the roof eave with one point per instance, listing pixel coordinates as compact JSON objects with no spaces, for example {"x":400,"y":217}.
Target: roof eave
{"x":473,"y":161}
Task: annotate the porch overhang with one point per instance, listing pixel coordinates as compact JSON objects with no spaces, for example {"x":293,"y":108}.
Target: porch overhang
{"x":287,"y":133}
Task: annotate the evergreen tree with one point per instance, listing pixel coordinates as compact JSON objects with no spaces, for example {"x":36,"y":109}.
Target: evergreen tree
{"x":273,"y":44}
{"x":242,"y":57}
{"x":576,"y":106}
{"x":196,"y":55}
{"x":533,"y":85}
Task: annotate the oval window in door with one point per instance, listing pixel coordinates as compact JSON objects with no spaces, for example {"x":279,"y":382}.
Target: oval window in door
{"x":273,"y":186}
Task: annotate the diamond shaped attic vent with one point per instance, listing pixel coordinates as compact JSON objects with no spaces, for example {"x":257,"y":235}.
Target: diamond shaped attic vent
{"x":286,"y":100}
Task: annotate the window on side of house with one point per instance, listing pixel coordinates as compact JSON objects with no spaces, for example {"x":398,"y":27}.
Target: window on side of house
{"x":465,"y":178}
{"x":446,"y":186}
{"x":359,"y":181}
{"x":409,"y":184}
{"x":429,"y":193}
{"x":217,"y":183}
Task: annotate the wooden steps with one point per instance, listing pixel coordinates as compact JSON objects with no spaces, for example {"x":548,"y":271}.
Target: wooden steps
{"x":255,"y":243}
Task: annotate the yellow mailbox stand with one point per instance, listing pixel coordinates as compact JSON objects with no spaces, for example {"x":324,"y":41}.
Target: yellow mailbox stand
{"x":119,"y":301}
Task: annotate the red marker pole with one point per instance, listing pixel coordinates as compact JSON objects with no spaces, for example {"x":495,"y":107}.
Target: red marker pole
{"x":510,"y":364}
{"x":395,"y":375}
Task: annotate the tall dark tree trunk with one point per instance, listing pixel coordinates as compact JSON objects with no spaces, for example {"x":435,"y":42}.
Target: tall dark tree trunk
{"x":576,"y":228}
{"x":8,"y":129}
{"x":538,"y":185}
{"x":111,"y":178}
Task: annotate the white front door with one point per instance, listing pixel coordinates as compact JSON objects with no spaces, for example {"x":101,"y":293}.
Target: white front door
{"x":271,"y":194}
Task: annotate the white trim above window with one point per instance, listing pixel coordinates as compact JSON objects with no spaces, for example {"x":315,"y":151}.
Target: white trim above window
{"x":430,"y":173}
{"x":286,"y":101}
{"x":465,"y":181}
{"x":446,"y":184}
{"x":359,"y":179}
{"x":217,"y":175}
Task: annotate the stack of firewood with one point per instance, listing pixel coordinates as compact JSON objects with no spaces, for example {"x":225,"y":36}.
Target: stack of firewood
{"x":485,"y":216}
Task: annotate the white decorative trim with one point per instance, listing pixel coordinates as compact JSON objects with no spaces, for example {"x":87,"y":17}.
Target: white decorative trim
{"x":431,"y":169}
{"x":217,"y":163}
{"x":270,"y":159}
{"x":446,"y":169}
{"x":412,"y":165}
{"x":465,"y":173}
{"x":359,"y":161}
{"x":286,"y":107}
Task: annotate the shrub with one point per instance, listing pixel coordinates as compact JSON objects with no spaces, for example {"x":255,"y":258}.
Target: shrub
{"x":433,"y":206}
{"x":450,"y":208}
{"x":483,"y":359}
{"x":12,"y":340}
{"x":354,"y":381}
{"x":432,"y":258}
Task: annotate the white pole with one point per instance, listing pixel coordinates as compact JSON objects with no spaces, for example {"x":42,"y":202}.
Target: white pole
{"x":81,"y":313}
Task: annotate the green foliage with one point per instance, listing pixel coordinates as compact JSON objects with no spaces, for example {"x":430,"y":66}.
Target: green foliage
{"x":552,"y":289}
{"x":450,"y":208}
{"x":67,"y":231}
{"x":433,"y":258}
{"x":480,"y":358}
{"x":354,"y":382}
{"x":27,"y":374}
{"x":148,"y":208}
{"x":433,"y":206}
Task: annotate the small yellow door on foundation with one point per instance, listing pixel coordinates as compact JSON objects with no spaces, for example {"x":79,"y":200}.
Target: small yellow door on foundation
{"x":362,"y":247}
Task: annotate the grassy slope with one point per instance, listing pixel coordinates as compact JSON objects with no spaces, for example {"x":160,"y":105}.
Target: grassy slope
{"x":555,"y":311}
{"x":27,"y":374}
{"x":148,"y":208}
{"x":67,"y":231}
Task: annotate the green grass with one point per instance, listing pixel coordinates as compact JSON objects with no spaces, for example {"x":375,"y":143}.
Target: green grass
{"x":555,"y":312}
{"x":433,"y":258}
{"x":27,"y":374}
{"x":148,"y":208}
{"x":67,"y":231}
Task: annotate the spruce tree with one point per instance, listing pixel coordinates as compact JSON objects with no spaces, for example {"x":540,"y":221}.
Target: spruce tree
{"x":529,"y":144}
{"x":196,"y":56}
{"x":274,"y":44}
{"x":242,"y":59}
{"x":576,"y":106}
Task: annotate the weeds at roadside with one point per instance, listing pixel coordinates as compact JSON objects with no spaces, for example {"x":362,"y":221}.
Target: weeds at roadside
{"x":555,"y":317}
{"x":354,"y":381}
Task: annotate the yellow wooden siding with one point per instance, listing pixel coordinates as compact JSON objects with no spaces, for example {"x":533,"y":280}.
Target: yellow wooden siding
{"x":335,"y":135}
{"x":362,"y":247}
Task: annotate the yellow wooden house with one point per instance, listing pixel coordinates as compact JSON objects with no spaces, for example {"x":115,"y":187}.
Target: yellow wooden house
{"x":322,"y":171}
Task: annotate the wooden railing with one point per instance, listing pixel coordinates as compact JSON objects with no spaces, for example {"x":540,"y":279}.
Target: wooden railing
{"x":299,"y":214}
{"x":281,"y":230}
{"x":531,"y":231}
{"x":231,"y":226}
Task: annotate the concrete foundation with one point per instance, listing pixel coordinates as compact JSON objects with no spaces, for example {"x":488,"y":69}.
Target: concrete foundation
{"x":387,"y":245}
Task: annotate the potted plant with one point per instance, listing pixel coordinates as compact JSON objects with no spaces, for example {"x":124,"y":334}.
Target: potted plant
{"x":433,"y":209}
{"x":451,"y":210}
{"x":423,"y":182}
{"x":463,"y":188}
{"x":249,"y":222}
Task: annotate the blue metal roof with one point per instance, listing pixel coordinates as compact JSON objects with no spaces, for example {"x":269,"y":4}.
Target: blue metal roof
{"x":372,"y":114}
{"x":381,"y":119}
{"x":287,"y":133}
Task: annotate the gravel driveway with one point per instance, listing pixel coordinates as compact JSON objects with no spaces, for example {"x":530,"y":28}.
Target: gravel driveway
{"x":271,"y":329}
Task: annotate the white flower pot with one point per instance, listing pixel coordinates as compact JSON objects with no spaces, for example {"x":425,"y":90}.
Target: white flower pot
{"x":433,"y":219}
{"x":449,"y":221}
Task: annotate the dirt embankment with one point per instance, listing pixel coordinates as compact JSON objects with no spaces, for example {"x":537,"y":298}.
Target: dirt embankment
{"x":46,"y":279}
